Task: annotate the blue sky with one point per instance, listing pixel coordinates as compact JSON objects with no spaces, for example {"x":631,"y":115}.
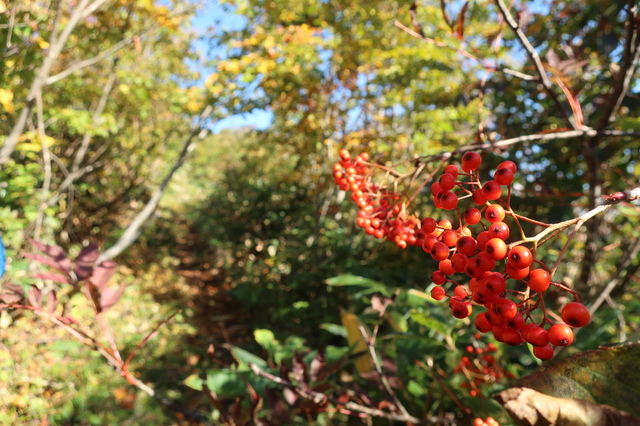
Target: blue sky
{"x":218,"y":18}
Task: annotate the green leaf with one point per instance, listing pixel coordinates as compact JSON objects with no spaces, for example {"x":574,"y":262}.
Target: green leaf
{"x":604,"y":376}
{"x":266,"y":339}
{"x":245,"y":357}
{"x":354,"y":280}
{"x":227,"y":383}
{"x":194,"y":381}
{"x":429,"y":322}
{"x":335,"y":329}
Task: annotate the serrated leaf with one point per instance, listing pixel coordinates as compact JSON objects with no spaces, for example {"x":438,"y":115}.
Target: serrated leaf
{"x":354,"y":280}
{"x":603,"y":376}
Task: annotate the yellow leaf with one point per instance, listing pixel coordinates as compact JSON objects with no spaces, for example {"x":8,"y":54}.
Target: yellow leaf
{"x":364,"y":363}
{"x":6,"y":100}
{"x":3,"y":8}
{"x":42,"y":43}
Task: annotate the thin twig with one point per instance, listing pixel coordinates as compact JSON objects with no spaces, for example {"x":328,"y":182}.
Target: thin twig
{"x":383,"y":378}
{"x":319,"y":398}
{"x":533,"y":55}
{"x":530,"y":138}
{"x":43,"y":72}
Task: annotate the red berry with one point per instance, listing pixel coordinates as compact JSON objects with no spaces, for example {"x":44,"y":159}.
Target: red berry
{"x":471,"y":161}
{"x":448,"y":200}
{"x":435,"y":188}
{"x":515,"y":273}
{"x":519,"y":257}
{"x":439,"y":251}
{"x":447,"y":182}
{"x":503,"y":176}
{"x":543,"y":352}
{"x":539,"y":280}
{"x":478,"y":197}
{"x":499,"y":230}
{"x":472,"y":216}
{"x":495,"y":283}
{"x":449,"y":237}
{"x":446,"y":267}
{"x":459,"y":309}
{"x":438,"y":277}
{"x":494,"y":213}
{"x":459,"y":261}
{"x":536,"y":335}
{"x":512,"y":337}
{"x":491,"y":190}
{"x":428,"y":225}
{"x":344,"y":154}
{"x":508,"y":165}
{"x":482,"y":324}
{"x":575,"y":314}
{"x":466,"y":245}
{"x":460,"y":291}
{"x":438,"y":293}
{"x":482,"y":239}
{"x":560,"y":335}
{"x":496,"y":248}
{"x":506,"y":308}
{"x":452,"y":169}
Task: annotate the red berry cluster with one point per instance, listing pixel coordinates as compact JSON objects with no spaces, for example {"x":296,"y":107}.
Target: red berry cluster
{"x":487,"y":260}
{"x":489,"y":421}
{"x":480,"y":367}
{"x":380,"y":213}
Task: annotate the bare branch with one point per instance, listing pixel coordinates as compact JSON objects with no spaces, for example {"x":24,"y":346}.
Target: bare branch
{"x":630,"y":59}
{"x":88,"y":62}
{"x":530,"y":138}
{"x":533,"y":55}
{"x":46,"y":162}
{"x":80,"y":12}
{"x":134,"y":229}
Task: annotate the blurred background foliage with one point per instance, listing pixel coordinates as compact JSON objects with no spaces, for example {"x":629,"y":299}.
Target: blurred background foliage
{"x":252,"y":226}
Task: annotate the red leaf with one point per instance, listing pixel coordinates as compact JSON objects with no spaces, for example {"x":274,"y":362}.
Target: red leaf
{"x":52,"y":302}
{"x":317,"y":364}
{"x":35,"y":297}
{"x":52,"y":276}
{"x":43,"y":259}
{"x":56,"y":253}
{"x":103,"y":273}
{"x":300,"y":371}
{"x":110,"y":296}
{"x":85,"y":261}
{"x":12,"y":293}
